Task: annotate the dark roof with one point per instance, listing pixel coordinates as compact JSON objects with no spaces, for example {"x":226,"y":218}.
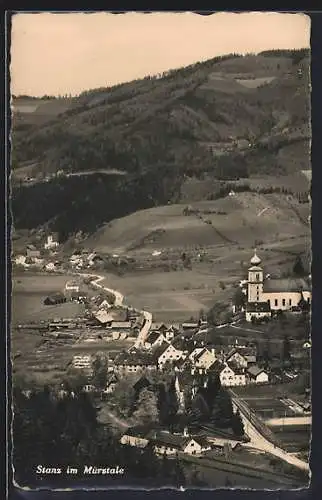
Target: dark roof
{"x":140,"y":430}
{"x":243,"y":351}
{"x":236,"y":369}
{"x":217,"y":366}
{"x":201,"y":353}
{"x":286,"y":285}
{"x":134,"y":359}
{"x":258,"y":307}
{"x":255,"y":370}
{"x":141,"y":383}
{"x":173,"y":440}
{"x":153,"y":336}
{"x":161,"y":349}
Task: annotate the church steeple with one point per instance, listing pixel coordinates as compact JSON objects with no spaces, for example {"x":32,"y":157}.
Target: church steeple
{"x":255,"y":279}
{"x":255,"y":260}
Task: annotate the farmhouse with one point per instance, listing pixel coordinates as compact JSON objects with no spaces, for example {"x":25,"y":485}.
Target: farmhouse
{"x":242,"y":357}
{"x":133,"y":362}
{"x":203,"y":359}
{"x":230,"y":375}
{"x":135,"y":436}
{"x":170,"y":444}
{"x":265,"y":295}
{"x":167,"y":353}
{"x":257,"y":375}
{"x":82,"y":362}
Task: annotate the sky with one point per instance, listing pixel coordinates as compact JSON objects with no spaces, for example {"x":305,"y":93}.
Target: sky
{"x":58,"y":54}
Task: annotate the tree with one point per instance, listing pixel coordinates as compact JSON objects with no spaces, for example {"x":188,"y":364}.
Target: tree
{"x":237,"y":424}
{"x":147,"y":409}
{"x":286,"y":350}
{"x":99,"y":376}
{"x":298,"y":268}
{"x":239,"y":298}
{"x":222,"y":412}
{"x":173,"y":403}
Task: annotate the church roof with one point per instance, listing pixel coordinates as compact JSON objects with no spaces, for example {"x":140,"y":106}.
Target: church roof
{"x":286,"y":285}
{"x":255,"y":268}
{"x":255,"y":260}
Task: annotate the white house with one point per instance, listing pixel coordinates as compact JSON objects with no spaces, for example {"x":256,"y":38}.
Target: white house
{"x":51,"y":242}
{"x":229,"y":374}
{"x":135,"y":437}
{"x":82,"y":362}
{"x":170,"y":444}
{"x":134,"y":362}
{"x":72,"y":286}
{"x":204,"y":358}
{"x":241,"y":357}
{"x":167,"y":353}
{"x":257,"y":375}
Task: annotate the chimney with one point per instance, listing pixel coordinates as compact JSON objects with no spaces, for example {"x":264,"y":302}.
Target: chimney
{"x":213,"y":351}
{"x":185,"y":432}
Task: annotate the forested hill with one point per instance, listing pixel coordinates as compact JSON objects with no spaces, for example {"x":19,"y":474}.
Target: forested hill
{"x":228,"y":117}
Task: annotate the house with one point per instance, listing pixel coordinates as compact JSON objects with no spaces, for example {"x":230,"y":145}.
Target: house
{"x":135,"y":436}
{"x":134,"y":361}
{"x":72,"y":286}
{"x":103,"y":317}
{"x":242,"y":357}
{"x":165,"y":443}
{"x":171,"y":332}
{"x":257,"y":375}
{"x":32,"y":252}
{"x":82,"y":361}
{"x":167,"y":353}
{"x":51,"y":242}
{"x":122,"y":325}
{"x":204,"y":358}
{"x":154,"y":339}
{"x":257,"y":310}
{"x":277,"y":294}
{"x":111,"y":382}
{"x":230,"y":375}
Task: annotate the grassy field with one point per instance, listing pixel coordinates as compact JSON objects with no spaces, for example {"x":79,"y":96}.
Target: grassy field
{"x":29,"y":292}
{"x":223,"y":231}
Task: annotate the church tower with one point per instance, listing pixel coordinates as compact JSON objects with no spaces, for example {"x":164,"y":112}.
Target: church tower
{"x":255,"y":279}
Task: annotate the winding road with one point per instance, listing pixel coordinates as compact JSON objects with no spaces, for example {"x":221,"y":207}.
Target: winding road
{"x":144,"y":332}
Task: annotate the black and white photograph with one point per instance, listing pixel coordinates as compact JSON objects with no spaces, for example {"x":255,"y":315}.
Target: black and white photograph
{"x":160,"y":195}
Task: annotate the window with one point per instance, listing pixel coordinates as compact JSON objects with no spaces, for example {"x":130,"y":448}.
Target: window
{"x":257,"y":277}
{"x":283,"y":302}
{"x":290,"y":302}
{"x":276,"y":302}
{"x":269,"y":303}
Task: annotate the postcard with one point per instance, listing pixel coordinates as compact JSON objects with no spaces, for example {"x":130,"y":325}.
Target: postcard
{"x":161,"y":250}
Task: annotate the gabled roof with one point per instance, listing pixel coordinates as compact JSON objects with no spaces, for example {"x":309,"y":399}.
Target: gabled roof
{"x":287,"y":285}
{"x":254,"y":371}
{"x":173,"y":440}
{"x":258,"y":307}
{"x":200,"y":354}
{"x":217,"y":366}
{"x":162,"y":349}
{"x":236,"y":369}
{"x":154,"y":336}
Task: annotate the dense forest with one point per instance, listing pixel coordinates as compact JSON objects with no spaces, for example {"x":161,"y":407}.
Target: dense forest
{"x":195,"y":121}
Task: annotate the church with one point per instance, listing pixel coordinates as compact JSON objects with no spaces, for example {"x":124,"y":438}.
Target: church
{"x":266,"y":295}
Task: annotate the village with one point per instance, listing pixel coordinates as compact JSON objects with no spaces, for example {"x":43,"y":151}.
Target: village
{"x":173,"y":386}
